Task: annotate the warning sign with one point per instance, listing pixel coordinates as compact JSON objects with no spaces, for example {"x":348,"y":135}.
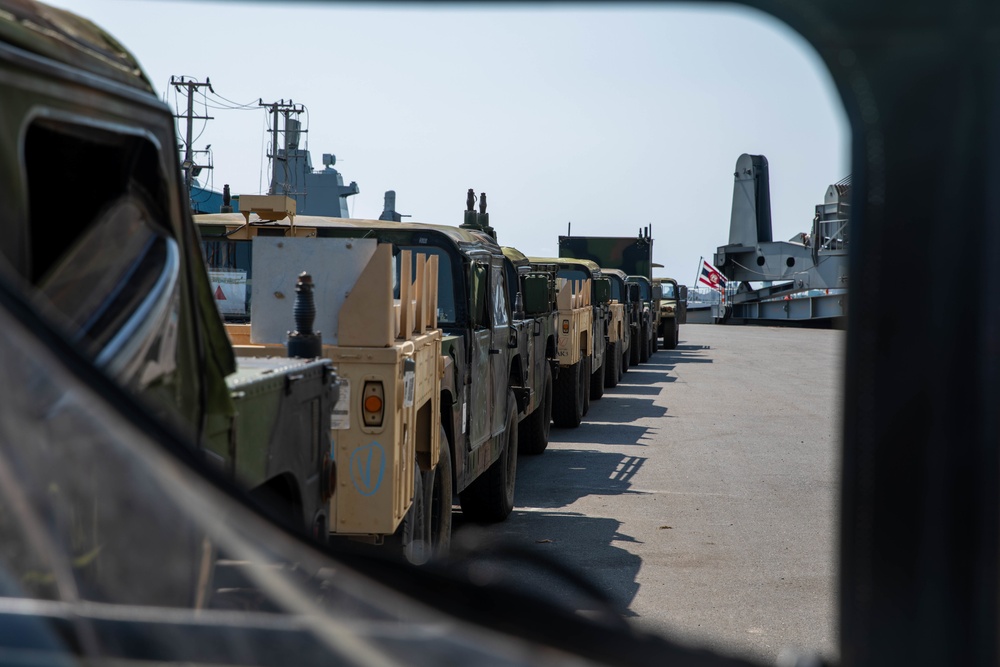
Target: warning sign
{"x":230,"y":290}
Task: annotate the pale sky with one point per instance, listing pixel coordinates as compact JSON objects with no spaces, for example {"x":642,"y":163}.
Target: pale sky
{"x":612,"y":118}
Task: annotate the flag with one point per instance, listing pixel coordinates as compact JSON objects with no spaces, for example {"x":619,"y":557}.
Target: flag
{"x":712,"y":277}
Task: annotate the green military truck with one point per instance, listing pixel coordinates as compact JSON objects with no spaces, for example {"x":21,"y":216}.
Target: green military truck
{"x":648,"y":316}
{"x":673,"y":310}
{"x":536,"y":323}
{"x":114,"y":263}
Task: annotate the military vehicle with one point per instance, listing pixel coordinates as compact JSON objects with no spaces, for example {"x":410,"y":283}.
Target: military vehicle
{"x":143,"y":313}
{"x":673,"y":310}
{"x":377,"y":305}
{"x":583,"y":300}
{"x":536,"y":321}
{"x":459,"y":346}
{"x":648,"y":316}
{"x":634,"y":256}
{"x":620,"y":327}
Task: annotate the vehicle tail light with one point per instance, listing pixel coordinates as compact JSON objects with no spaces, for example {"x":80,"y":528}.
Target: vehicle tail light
{"x":373,"y":403}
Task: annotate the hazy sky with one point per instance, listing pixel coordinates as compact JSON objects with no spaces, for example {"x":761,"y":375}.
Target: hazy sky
{"x":610,"y":118}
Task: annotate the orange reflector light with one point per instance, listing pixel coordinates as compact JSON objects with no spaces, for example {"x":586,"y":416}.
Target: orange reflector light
{"x":565,"y":326}
{"x":373,"y":402}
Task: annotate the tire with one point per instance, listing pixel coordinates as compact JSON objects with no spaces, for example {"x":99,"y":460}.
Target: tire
{"x":567,"y":403}
{"x":670,"y":336}
{"x":626,"y":360}
{"x":490,"y":498}
{"x":614,"y":365}
{"x":597,"y":380}
{"x":633,"y":349}
{"x":644,"y":345}
{"x":655,"y":342}
{"x":585,"y":384}
{"x":409,"y":542}
{"x":437,"y":485}
{"x":533,"y":437}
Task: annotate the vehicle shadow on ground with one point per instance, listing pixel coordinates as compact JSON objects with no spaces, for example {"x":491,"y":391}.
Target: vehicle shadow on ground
{"x":540,"y":525}
{"x":648,"y":373}
{"x":622,"y":409}
{"x":692,"y":353}
{"x":560,"y":477}
{"x":530,"y":551}
{"x":600,"y":434}
{"x":648,"y":390}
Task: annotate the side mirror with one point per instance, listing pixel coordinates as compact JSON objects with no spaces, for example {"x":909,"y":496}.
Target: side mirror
{"x":535,"y":288}
{"x":682,"y":293}
{"x":633,"y":292}
{"x":657,"y":292}
{"x":602,"y":290}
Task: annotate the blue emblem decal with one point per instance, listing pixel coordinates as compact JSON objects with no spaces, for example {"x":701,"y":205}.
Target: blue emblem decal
{"x":367,"y":468}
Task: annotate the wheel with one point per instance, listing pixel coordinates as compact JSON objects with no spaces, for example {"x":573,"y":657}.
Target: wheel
{"x":585,"y":384}
{"x":410,"y":541}
{"x":437,"y":486}
{"x":670,"y":336}
{"x":534,"y":431}
{"x":644,"y":345}
{"x":633,"y":349}
{"x":626,"y":359}
{"x":490,"y":497}
{"x":597,"y":380}
{"x":614,"y":369}
{"x":655,"y":341}
{"x":567,"y":403}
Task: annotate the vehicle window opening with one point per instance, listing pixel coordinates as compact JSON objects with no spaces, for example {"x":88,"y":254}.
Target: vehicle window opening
{"x":446,"y":285}
{"x":64,"y":197}
{"x":479,"y":277}
{"x":76,"y":218}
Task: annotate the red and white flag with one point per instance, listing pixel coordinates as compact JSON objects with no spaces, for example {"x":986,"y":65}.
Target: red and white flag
{"x":712,"y":277}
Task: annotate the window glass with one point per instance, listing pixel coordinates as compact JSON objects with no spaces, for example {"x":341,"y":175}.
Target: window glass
{"x":500,"y":317}
{"x":97,"y":291}
{"x":447,"y":312}
{"x":478,"y":306}
{"x":101,"y":251}
{"x":617,"y":290}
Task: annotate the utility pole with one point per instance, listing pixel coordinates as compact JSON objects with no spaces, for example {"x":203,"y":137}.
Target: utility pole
{"x":286,"y":109}
{"x":191,"y":85}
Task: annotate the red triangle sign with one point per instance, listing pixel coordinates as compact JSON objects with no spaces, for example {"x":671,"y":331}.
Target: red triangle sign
{"x":219,"y":296}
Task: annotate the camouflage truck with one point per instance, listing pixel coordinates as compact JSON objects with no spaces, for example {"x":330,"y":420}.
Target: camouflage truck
{"x":623,"y":329}
{"x":113,"y":263}
{"x":583,"y":299}
{"x":673,"y":310}
{"x":634,"y":256}
{"x":648,"y":317}
{"x":536,"y":321}
{"x":464,"y":437}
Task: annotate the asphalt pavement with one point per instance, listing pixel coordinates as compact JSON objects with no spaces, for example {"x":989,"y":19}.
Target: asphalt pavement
{"x":699,"y":497}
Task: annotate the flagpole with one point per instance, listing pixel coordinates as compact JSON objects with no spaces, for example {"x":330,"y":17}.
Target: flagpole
{"x":697,"y":272}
